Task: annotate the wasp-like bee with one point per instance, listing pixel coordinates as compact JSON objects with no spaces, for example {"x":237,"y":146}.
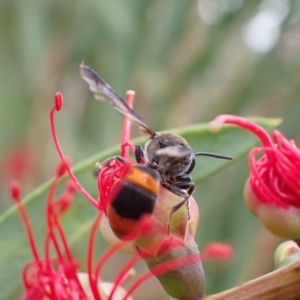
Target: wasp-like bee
{"x":169,"y":154}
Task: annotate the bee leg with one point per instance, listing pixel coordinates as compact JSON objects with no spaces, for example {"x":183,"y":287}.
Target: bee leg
{"x":187,"y":186}
{"x":175,"y":189}
{"x":155,"y":166}
{"x":179,"y":192}
{"x":139,"y":154}
{"x":182,"y":178}
{"x":184,"y":181}
{"x":174,"y":209}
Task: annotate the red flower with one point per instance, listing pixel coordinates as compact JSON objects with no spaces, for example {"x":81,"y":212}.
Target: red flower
{"x":272,"y":191}
{"x":48,"y":276}
{"x":56,"y":275}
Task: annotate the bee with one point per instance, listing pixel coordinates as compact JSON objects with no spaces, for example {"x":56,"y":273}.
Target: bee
{"x":133,"y":195}
{"x":166,"y":157}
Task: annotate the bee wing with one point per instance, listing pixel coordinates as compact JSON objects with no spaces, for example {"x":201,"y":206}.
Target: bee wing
{"x":174,"y":151}
{"x":103,"y":91}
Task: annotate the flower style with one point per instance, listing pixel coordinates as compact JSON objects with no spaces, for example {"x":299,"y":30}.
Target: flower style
{"x":272,"y":191}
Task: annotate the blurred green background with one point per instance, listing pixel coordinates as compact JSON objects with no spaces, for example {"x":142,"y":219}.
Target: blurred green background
{"x":188,"y":61}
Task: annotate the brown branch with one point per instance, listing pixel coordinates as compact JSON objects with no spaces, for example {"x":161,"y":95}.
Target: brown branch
{"x":277,"y":285}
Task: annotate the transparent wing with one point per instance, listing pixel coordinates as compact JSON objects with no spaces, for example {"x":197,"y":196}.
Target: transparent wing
{"x":103,"y":91}
{"x":174,"y":151}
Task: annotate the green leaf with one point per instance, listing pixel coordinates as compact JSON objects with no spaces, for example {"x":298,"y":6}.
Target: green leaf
{"x":77,"y":221}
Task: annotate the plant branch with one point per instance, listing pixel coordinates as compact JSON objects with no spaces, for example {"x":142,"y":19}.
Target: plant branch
{"x":277,"y":285}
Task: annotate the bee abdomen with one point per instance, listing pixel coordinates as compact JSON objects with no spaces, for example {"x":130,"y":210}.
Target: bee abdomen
{"x":132,"y":201}
{"x":133,"y":196}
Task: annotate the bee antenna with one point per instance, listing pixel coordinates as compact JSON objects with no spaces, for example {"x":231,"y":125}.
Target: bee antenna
{"x":213,"y":155}
{"x":148,"y":131}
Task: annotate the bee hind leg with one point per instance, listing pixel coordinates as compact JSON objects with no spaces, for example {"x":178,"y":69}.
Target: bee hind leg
{"x":179,"y":192}
{"x":174,"y":209}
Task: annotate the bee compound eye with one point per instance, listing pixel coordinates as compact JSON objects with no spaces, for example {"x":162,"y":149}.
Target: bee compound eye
{"x":162,"y":144}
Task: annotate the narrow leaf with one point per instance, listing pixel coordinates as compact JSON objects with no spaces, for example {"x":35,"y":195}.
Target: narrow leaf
{"x":14,"y":250}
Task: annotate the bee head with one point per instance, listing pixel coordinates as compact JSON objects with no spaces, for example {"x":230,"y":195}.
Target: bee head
{"x":171,"y":153}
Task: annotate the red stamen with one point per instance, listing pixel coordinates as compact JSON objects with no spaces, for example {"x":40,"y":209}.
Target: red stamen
{"x":50,"y":219}
{"x":26,"y":283}
{"x":93,"y":279}
{"x":106,"y":180}
{"x":54,"y":279}
{"x":273,"y":182}
{"x":63,"y":203}
{"x":58,"y":98}
{"x":136,"y":258}
{"x":144,"y":224}
{"x":217,"y":251}
{"x":15,"y":191}
{"x":122,"y":275}
{"x":161,"y":269}
{"x":71,"y":187}
{"x":127,"y":127}
{"x":61,"y":169}
{"x":259,"y":186}
{"x":65,"y":161}
{"x":261,"y":133}
{"x":284,"y":169}
{"x":287,"y":145}
{"x":275,"y":177}
{"x":24,"y":216}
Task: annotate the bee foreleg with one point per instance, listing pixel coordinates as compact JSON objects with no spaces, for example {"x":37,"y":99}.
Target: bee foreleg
{"x":189,"y":187}
{"x":172,"y":187}
{"x":139,"y":154}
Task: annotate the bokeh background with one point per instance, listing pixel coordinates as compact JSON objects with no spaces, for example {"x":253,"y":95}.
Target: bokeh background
{"x":188,"y":61}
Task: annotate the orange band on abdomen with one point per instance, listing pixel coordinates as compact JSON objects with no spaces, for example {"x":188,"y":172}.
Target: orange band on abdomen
{"x":142,"y":179}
